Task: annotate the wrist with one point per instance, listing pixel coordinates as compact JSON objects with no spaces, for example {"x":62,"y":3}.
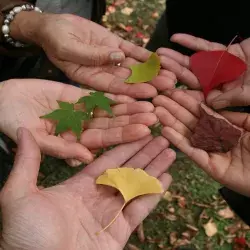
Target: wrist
{"x":26,"y":25}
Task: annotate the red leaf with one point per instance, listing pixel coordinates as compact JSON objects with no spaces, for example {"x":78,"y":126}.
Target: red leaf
{"x":214,"y":68}
{"x":240,"y":241}
{"x":129,"y":28}
{"x":139,"y":35}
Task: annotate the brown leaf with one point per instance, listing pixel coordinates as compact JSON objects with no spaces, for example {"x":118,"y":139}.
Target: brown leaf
{"x":182,"y":202}
{"x":171,"y":210}
{"x":186,"y":235}
{"x":127,"y":11}
{"x":226,"y":213}
{"x":140,"y":233}
{"x":119,"y":2}
{"x":210,"y":228}
{"x":132,"y":247}
{"x":193,"y":228}
{"x":213,"y":133}
{"x":168,"y":196}
{"x":172,"y":238}
{"x":171,"y":217}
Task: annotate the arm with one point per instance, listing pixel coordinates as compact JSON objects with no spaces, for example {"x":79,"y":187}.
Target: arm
{"x":23,"y":27}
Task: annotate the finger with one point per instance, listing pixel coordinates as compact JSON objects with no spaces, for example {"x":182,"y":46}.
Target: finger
{"x":136,"y":52}
{"x":239,"y":96}
{"x":147,"y":154}
{"x":162,"y":83}
{"x":197,"y":155}
{"x":176,"y":110}
{"x":176,"y":56}
{"x":63,"y":149}
{"x":241,"y":120}
{"x":89,"y":55}
{"x":140,"y":208}
{"x":196,"y":43}
{"x":98,"y":138}
{"x":184,"y":99}
{"x":71,"y":94}
{"x":161,"y":163}
{"x":103,"y":81}
{"x":196,"y":94}
{"x":147,"y":119}
{"x":167,"y":119}
{"x":23,"y":177}
{"x":115,"y":157}
{"x":127,"y":109}
{"x":183,"y":74}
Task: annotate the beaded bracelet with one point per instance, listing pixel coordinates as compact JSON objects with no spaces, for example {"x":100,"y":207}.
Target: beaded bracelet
{"x":10,"y":17}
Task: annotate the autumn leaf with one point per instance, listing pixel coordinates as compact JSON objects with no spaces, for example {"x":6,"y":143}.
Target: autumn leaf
{"x":67,"y":118}
{"x":131,"y":183}
{"x":96,"y":100}
{"x":226,"y":213}
{"x":145,"y":72}
{"x":213,"y":68}
{"x":213,"y":133}
{"x":210,"y":228}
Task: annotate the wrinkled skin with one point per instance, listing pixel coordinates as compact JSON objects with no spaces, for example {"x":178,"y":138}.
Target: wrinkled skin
{"x":81,"y":49}
{"x":232,"y":93}
{"x":179,"y":113}
{"x":23,"y":102}
{"x":67,"y":216}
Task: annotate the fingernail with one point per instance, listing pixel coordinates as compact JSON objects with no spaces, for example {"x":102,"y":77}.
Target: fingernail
{"x":168,"y":92}
{"x":220,"y":104}
{"x":73,"y":162}
{"x":117,"y":56}
{"x":19,"y":134}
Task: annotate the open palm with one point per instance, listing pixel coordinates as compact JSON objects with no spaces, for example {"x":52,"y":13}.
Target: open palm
{"x":67,"y":216}
{"x":23,"y":102}
{"x":179,"y":113}
{"x":81,"y":49}
{"x":231,"y":93}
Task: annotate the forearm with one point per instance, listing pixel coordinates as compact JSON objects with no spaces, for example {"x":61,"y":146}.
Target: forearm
{"x":23,"y":28}
{"x":26,"y":25}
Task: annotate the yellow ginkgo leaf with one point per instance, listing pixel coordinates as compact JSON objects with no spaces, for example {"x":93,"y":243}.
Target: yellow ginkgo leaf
{"x":145,"y":72}
{"x":131,"y":183}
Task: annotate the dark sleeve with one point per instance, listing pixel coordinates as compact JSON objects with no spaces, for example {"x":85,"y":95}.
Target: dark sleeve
{"x":5,"y":6}
{"x":239,"y":204}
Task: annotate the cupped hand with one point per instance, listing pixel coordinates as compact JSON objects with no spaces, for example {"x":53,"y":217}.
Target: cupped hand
{"x":89,"y":53}
{"x":67,"y":216}
{"x":179,"y":113}
{"x":231,"y":93}
{"x":23,"y":102}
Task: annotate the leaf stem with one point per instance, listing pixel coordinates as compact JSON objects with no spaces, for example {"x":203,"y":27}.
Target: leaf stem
{"x":112,"y":221}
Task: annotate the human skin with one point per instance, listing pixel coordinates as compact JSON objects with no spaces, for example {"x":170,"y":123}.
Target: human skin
{"x":67,"y":216}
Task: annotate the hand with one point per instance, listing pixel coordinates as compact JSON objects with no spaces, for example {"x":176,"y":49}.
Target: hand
{"x":22,"y":102}
{"x":88,"y":53}
{"x":179,"y":114}
{"x":231,"y":93}
{"x":67,"y":216}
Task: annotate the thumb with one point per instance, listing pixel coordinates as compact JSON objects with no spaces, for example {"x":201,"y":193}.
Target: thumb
{"x":89,"y":55}
{"x":239,"y":96}
{"x":63,"y":149}
{"x":23,"y":177}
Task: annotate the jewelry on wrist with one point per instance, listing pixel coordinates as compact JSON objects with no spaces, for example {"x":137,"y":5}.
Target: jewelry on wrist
{"x":10,"y":17}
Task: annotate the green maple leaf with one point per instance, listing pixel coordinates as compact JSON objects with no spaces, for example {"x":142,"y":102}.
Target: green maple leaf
{"x":96,"y":100}
{"x":145,"y":72}
{"x":67,"y":118}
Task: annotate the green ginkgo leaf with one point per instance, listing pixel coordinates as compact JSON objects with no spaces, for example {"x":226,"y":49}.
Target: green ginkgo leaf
{"x":145,"y":72}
